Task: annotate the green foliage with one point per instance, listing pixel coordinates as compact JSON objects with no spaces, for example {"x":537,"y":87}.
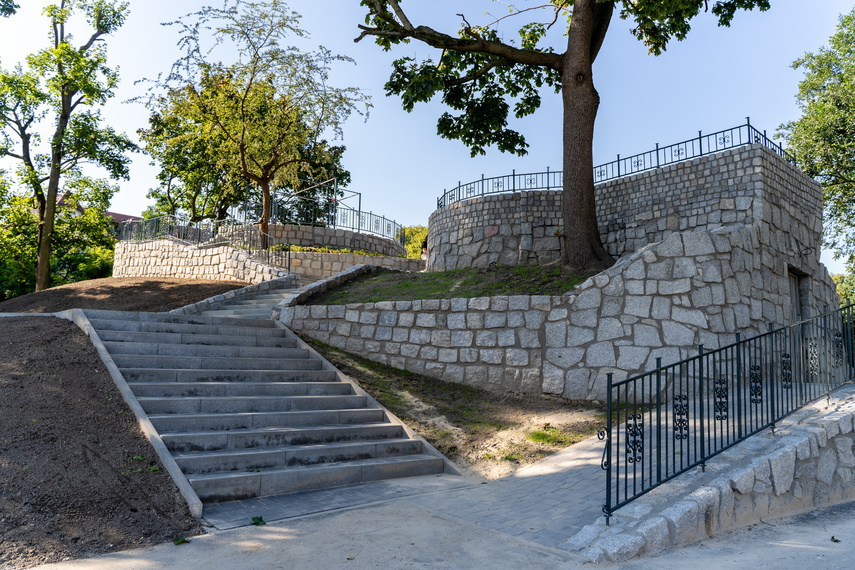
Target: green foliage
{"x":7,"y":7}
{"x":45,"y":126}
{"x":265,"y":114}
{"x":258,"y":521}
{"x":414,"y":236}
{"x":83,"y":242}
{"x":824,"y":137}
{"x":845,"y":288}
{"x":478,"y":72}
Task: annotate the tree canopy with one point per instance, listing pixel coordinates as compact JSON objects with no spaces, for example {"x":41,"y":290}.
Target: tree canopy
{"x":7,"y":7}
{"x":824,"y":137}
{"x":272,"y":109}
{"x":49,"y":120}
{"x":478,"y":72}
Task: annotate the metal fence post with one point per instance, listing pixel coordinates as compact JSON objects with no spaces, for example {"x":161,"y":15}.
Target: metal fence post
{"x":701,"y":406}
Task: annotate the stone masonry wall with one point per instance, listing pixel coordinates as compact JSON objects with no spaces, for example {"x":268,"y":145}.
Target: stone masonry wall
{"x":323,"y":265}
{"x":690,"y":288}
{"x":519,"y":228}
{"x":168,"y":258}
{"x":310,"y":236}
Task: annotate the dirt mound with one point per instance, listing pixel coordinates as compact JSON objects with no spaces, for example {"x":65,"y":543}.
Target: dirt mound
{"x":77,"y":476}
{"x":120,"y":294}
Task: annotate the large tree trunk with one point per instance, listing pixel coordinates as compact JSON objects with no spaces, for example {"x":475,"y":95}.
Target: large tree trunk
{"x":48,"y":216}
{"x":583,"y":249}
{"x":265,"y":212}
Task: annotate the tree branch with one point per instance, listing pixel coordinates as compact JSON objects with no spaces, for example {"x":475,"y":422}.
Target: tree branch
{"x":480,"y":72}
{"x":400,"y":13}
{"x":444,"y":41}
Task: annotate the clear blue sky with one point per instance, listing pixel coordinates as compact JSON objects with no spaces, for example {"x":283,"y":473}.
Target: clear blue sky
{"x":710,"y":81}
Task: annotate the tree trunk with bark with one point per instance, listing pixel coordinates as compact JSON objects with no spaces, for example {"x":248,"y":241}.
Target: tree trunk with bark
{"x":583,"y":249}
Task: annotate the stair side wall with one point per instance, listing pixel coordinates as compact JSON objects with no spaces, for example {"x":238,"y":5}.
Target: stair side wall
{"x":169,"y":258}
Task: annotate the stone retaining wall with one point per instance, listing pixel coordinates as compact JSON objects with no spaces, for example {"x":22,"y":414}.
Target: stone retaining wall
{"x":310,"y":236}
{"x":323,"y":265}
{"x":730,"y":188}
{"x":660,"y":302}
{"x":807,"y":463}
{"x":169,"y":258}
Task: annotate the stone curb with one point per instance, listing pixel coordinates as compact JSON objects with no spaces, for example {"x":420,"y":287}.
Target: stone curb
{"x":807,"y":463}
{"x":79,"y":318}
{"x":312,"y":289}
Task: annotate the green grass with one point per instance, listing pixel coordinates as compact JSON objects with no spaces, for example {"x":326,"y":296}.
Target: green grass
{"x":466,"y":283}
{"x":549,"y":435}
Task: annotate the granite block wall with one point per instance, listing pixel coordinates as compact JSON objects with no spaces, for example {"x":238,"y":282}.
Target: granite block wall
{"x":310,"y":236}
{"x":170,"y":258}
{"x":695,"y":286}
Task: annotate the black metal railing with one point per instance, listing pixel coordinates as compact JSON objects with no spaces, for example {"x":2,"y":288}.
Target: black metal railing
{"x":664,"y":422}
{"x":701,"y":145}
{"x":333,"y":213}
{"x":248,"y":238}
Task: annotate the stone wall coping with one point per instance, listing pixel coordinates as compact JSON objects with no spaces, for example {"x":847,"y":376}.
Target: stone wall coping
{"x":806,"y":463}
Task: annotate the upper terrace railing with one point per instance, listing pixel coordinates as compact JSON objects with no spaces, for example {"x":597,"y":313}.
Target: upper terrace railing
{"x":674,"y":418}
{"x":258,"y":246}
{"x":622,"y":166}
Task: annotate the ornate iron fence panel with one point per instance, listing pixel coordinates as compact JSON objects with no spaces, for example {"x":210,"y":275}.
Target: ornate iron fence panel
{"x":674,"y":418}
{"x":623,"y":166}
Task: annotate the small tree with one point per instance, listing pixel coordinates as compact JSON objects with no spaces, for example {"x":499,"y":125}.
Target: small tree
{"x":61,"y":81}
{"x":478,"y":71}
{"x":273,"y":106}
{"x":824,"y":137}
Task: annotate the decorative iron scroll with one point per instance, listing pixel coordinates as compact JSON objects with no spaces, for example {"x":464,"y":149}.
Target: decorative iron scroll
{"x":756,"y":378}
{"x":499,"y":185}
{"x":838,"y":348}
{"x":681,"y":416}
{"x":725,"y":139}
{"x":634,"y":438}
{"x":721,"y":404}
{"x":786,"y":371}
{"x":813,"y":359}
{"x":603,"y":434}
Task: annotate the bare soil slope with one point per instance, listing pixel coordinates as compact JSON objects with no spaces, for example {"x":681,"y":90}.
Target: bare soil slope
{"x":120,"y":294}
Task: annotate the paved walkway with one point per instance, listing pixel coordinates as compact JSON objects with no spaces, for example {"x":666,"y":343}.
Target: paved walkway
{"x":546,"y":503}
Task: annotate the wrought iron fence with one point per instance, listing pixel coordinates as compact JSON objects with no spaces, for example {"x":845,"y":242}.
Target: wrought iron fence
{"x":701,"y":145}
{"x":334,"y":213}
{"x":664,"y":422}
{"x":248,"y":238}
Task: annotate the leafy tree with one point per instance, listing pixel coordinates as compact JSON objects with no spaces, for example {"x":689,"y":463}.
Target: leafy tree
{"x":59,"y":83}
{"x":845,"y":288}
{"x":82,"y":242}
{"x":7,"y":7}
{"x":478,"y":72}
{"x":414,"y":236}
{"x":272,"y":107}
{"x":824,"y":137}
{"x":194,"y":180}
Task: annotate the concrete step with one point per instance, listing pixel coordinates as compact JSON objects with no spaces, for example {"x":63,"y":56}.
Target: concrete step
{"x":216,"y":487}
{"x":293,"y":455}
{"x":234,"y":328}
{"x":214,"y":363}
{"x":240,"y":389}
{"x":141,"y":375}
{"x":248,"y":404}
{"x":209,"y":422}
{"x":255,"y":302}
{"x":192,"y":350}
{"x":232,"y":311}
{"x":277,"y":436}
{"x":174,"y":318}
{"x":204,"y":339}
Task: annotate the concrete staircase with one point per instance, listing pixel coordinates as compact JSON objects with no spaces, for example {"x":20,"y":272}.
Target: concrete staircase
{"x":247,"y":410}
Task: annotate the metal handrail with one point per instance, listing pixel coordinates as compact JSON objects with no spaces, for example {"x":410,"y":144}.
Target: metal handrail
{"x":662,"y":423}
{"x":622,"y":166}
{"x":246,"y":237}
{"x":336,"y":214}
